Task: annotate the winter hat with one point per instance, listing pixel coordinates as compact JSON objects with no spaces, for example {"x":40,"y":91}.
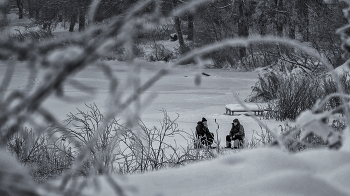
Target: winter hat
{"x":235,"y":120}
{"x":203,"y":119}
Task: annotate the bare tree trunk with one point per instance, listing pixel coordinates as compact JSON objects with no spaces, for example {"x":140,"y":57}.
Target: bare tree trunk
{"x":20,"y":8}
{"x":73,"y":20}
{"x":3,"y":16}
{"x":190,"y":27}
{"x":36,"y":9}
{"x":30,"y":9}
{"x":291,"y":20}
{"x":183,"y":48}
{"x":81,"y":18}
{"x":279,"y":17}
{"x":60,"y":17}
{"x":262,"y":24}
{"x":303,"y":13}
{"x":243,"y":29}
{"x":291,"y":32}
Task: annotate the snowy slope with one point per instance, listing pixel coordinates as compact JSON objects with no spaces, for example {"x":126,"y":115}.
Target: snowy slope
{"x":266,"y":171}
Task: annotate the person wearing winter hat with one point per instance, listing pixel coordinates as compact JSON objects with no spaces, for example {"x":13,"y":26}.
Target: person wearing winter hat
{"x":236,"y":133}
{"x":204,"y":136}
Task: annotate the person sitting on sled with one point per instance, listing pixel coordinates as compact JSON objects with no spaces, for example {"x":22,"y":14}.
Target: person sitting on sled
{"x":236,"y":133}
{"x":204,"y":136}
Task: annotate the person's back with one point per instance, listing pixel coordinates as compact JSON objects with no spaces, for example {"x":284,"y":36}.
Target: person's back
{"x":200,"y":129}
{"x":203,"y":134}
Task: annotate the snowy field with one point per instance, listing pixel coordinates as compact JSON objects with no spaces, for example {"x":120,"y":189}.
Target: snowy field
{"x":176,"y":93}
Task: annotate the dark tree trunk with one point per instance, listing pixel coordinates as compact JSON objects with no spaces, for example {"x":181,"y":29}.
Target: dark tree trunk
{"x":303,"y":13}
{"x":20,"y":9}
{"x":190,"y":27}
{"x":36,"y":9}
{"x":73,"y":20}
{"x":291,"y":32}
{"x":291,"y":20}
{"x":81,"y":19}
{"x":30,"y":9}
{"x":60,"y":18}
{"x":37,"y":14}
{"x":262,"y":24}
{"x":183,"y":48}
{"x":83,"y":6}
{"x":243,"y":29}
{"x":47,"y":26}
{"x":279,"y":17}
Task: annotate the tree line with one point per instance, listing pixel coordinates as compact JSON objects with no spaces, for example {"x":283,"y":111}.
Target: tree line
{"x":310,"y":21}
{"x":73,"y":12}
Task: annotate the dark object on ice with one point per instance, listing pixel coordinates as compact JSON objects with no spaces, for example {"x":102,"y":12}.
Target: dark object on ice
{"x":205,"y":74}
{"x":173,"y":37}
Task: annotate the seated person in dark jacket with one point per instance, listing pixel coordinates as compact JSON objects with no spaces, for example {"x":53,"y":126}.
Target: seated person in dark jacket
{"x":203,"y":134}
{"x":236,"y":133}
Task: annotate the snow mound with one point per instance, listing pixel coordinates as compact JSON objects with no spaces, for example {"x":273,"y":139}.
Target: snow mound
{"x":266,"y":171}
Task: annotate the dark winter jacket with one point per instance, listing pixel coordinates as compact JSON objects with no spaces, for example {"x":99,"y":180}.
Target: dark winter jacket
{"x":201,"y":130}
{"x":237,"y":130}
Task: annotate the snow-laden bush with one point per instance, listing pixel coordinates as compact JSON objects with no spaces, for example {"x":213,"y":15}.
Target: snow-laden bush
{"x":288,"y":94}
{"x":118,"y":149}
{"x":159,"y":32}
{"x":37,"y":35}
{"x":159,"y":53}
{"x":294,"y":95}
{"x":121,"y":53}
{"x":330,"y":87}
{"x":266,"y":88}
{"x":46,"y":158}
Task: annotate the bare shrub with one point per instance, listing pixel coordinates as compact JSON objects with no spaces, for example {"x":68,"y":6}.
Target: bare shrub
{"x":294,"y":95}
{"x":161,"y":32}
{"x":292,"y":136}
{"x":117,"y":149}
{"x":151,"y":149}
{"x":159,"y":53}
{"x":121,"y":53}
{"x":260,"y":139}
{"x":46,"y":158}
{"x":29,"y":34}
{"x":330,"y":87}
{"x":84,"y":129}
{"x":290,"y":94}
{"x":266,"y":88}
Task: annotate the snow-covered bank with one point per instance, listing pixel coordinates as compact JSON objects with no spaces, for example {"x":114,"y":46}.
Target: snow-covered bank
{"x":266,"y":171}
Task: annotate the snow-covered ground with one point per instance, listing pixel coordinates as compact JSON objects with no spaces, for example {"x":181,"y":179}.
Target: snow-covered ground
{"x":176,"y":93}
{"x":266,"y":171}
{"x":258,"y":172}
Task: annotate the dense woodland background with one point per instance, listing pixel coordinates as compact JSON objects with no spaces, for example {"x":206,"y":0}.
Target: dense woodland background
{"x":309,"y":21}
